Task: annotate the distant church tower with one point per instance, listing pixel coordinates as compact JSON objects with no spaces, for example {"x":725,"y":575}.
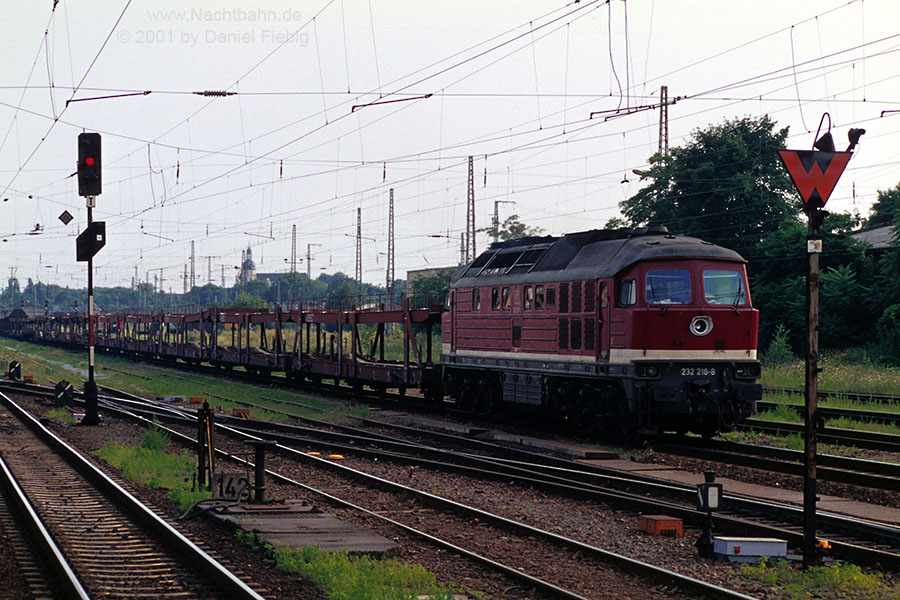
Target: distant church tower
{"x":248,"y":267}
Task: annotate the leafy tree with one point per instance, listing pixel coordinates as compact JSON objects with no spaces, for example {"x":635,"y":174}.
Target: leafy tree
{"x":726,"y":186}
{"x":778,"y":274}
{"x":246,"y":300}
{"x":886,"y":208}
{"x":616,"y":223}
{"x":512,"y":229}
{"x":257,"y":287}
{"x":293,"y":287}
{"x":431,"y":288}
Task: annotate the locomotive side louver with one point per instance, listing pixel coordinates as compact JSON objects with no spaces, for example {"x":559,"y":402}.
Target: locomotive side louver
{"x":563,"y":334}
{"x":589,"y":333}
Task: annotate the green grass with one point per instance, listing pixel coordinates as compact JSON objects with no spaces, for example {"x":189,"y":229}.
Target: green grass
{"x":783,"y":413}
{"x":60,"y":415}
{"x":839,"y":374}
{"x":832,"y":582}
{"x":857,"y":425}
{"x":345,"y":577}
{"x":794,"y":441}
{"x":151,"y":465}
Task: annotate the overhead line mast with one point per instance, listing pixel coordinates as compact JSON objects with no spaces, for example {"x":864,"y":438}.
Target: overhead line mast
{"x":664,"y":120}
{"x":293,"y":248}
{"x":359,"y":251}
{"x":470,"y":215}
{"x":389,"y":284}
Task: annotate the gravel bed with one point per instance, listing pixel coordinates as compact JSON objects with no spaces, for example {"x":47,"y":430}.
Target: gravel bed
{"x":577,"y":573}
{"x":14,"y":585}
{"x":770,"y":479}
{"x":589,"y":522}
{"x":592,"y":523}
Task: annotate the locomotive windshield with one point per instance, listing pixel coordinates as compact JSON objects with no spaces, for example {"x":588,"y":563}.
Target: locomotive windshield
{"x":724,"y":287}
{"x":668,"y":286}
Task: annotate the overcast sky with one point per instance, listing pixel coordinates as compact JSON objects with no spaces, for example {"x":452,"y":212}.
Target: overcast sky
{"x":328,"y":111}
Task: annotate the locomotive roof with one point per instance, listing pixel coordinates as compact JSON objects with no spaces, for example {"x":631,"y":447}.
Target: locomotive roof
{"x":582,"y":255}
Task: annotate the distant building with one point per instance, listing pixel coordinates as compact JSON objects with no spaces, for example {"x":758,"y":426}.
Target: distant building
{"x":248,"y":267}
{"x":879,"y":238}
{"x":272,"y":278}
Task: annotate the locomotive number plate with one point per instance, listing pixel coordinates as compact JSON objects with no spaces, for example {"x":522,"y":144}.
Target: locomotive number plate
{"x":698,"y":372}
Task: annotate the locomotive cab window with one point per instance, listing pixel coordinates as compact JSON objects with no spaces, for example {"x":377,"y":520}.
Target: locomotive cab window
{"x":627,"y":293}
{"x":528,"y":300}
{"x":495,"y":299}
{"x":539,"y":297}
{"x":724,"y":287}
{"x":668,"y":286}
{"x":506,"y":303}
{"x":476,"y":299}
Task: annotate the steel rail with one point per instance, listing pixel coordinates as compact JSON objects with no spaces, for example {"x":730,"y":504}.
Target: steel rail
{"x":658,"y":573}
{"x":66,"y":583}
{"x":218,"y":574}
{"x":528,"y":474}
{"x":833,"y":435}
{"x":825,"y":412}
{"x":858,"y":396}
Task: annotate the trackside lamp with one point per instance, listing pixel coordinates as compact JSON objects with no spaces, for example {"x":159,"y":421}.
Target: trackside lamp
{"x":709,"y":499}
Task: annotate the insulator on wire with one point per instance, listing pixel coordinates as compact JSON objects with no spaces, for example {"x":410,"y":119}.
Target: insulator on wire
{"x":214,"y":93}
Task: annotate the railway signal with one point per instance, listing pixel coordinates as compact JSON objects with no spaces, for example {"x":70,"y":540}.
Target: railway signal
{"x":815,"y":173}
{"x":90,"y":182}
{"x":90,"y":185}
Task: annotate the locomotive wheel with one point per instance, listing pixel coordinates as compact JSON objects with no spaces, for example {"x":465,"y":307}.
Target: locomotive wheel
{"x":468,"y":395}
{"x":624,"y":422}
{"x":488,"y":394}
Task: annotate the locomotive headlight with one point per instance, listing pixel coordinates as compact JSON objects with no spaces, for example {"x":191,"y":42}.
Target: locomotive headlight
{"x":646,"y":371}
{"x":701,"y":326}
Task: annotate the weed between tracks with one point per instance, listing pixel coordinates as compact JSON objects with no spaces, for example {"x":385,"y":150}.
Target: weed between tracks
{"x":151,"y":465}
{"x":835,"y":581}
{"x":346,"y":577}
{"x":794,"y":441}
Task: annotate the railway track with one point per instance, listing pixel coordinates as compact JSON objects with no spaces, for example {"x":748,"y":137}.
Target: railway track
{"x":867,"y":542}
{"x":831,"y":435}
{"x":825,"y":412}
{"x":851,"y":539}
{"x":94,"y":538}
{"x":856,"y":396}
{"x":390,"y":501}
{"x":838,"y":469}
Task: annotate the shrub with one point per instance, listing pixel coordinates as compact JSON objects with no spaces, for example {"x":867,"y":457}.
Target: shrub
{"x":779,"y":351}
{"x":156,"y":438}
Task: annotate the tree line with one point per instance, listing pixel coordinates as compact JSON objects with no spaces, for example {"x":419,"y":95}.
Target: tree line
{"x":331,"y":290}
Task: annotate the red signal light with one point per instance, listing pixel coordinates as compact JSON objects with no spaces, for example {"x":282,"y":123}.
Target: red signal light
{"x":89,"y":161}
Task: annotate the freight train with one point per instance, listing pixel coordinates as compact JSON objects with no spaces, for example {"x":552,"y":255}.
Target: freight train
{"x":627,"y":331}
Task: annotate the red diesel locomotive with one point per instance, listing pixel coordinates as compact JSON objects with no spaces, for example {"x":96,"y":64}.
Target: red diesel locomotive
{"x":635,"y":330}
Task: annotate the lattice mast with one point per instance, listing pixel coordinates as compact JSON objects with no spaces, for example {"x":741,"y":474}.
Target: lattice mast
{"x":389,"y":283}
{"x":293,"y":248}
{"x":470,"y":216}
{"x":664,"y":120}
{"x":193,"y":272}
{"x":359,"y":251}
